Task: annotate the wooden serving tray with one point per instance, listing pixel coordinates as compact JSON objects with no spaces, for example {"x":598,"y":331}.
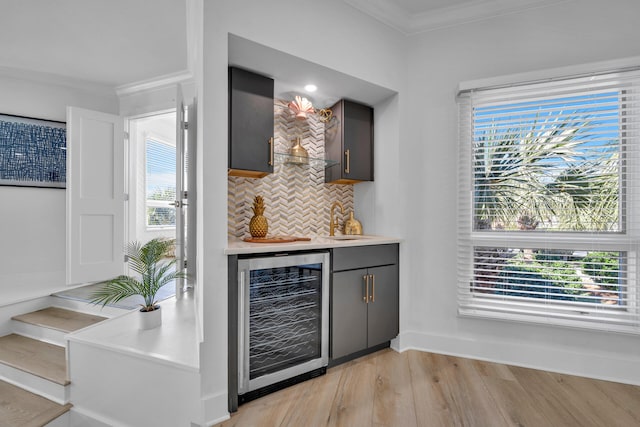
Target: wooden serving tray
{"x":276,"y":239}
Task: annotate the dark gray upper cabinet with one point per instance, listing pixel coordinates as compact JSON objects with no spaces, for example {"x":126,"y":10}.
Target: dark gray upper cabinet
{"x":250,"y":124}
{"x":349,"y":141}
{"x":364,"y":298}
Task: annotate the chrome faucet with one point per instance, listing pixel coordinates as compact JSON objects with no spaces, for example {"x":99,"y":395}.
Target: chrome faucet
{"x":334,"y":220}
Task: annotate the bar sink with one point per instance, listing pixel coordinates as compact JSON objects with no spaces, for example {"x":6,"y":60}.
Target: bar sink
{"x":349,"y":237}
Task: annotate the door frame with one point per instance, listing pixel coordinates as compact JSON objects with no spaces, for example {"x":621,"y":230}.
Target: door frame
{"x":132,"y":163}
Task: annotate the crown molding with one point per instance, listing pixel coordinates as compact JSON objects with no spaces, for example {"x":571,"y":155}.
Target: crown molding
{"x":407,"y":23}
{"x":154,"y":83}
{"x":56,"y":80}
{"x":384,"y":11}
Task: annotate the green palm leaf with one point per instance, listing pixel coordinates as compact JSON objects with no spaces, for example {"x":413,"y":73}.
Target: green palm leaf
{"x":514,"y":175}
{"x":154,"y":271}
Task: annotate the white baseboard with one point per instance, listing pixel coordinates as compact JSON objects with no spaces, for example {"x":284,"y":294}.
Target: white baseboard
{"x":79,"y":417}
{"x":216,"y":408}
{"x":561,"y":360}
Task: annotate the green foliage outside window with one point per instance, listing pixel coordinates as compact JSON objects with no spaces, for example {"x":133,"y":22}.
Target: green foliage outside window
{"x":604,"y":267}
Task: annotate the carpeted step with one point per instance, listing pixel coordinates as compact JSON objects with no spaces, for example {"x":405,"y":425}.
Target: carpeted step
{"x":59,"y":319}
{"x":38,"y":358}
{"x":19,"y":407}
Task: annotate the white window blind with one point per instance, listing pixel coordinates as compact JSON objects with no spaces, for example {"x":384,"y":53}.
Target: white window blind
{"x":549,"y":202}
{"x":160,"y":184}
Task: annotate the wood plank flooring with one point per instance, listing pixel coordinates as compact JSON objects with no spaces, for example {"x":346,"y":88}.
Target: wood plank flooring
{"x":20,"y":408}
{"x":416,"y":389}
{"x":36,"y":357}
{"x":59,"y":319}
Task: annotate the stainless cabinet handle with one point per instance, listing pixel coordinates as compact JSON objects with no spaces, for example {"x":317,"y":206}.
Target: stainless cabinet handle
{"x":372,"y":297}
{"x":271,"y":151}
{"x":365,"y":298}
{"x":347,"y":154}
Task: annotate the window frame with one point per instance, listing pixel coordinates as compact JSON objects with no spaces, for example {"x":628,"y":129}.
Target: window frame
{"x":625,"y":239}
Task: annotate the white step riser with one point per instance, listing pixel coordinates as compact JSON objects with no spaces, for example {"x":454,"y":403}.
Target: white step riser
{"x":45,"y":388}
{"x":40,"y":333}
{"x":62,"y":421}
{"x":7,"y":312}
{"x":84,"y":307}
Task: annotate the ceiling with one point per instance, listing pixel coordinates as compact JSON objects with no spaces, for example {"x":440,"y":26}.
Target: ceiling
{"x":122,"y":42}
{"x":114,"y":42}
{"x":416,"y":16}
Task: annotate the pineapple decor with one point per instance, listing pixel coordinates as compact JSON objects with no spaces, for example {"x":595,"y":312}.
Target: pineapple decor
{"x":258,"y":225}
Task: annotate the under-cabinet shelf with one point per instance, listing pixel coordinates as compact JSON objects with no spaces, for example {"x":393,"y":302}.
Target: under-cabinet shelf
{"x":288,"y":159}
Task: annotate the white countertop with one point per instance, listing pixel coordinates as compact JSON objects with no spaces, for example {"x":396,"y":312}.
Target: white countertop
{"x":235,"y":247}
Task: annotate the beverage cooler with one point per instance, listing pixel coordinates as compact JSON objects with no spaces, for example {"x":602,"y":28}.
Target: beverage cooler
{"x":283,"y":320}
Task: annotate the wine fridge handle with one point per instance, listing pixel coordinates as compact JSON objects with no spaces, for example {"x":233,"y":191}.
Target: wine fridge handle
{"x":240,"y":328}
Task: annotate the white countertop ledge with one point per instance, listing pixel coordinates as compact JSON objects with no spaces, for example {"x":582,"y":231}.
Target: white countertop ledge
{"x":174,"y":343}
{"x":236,"y":247}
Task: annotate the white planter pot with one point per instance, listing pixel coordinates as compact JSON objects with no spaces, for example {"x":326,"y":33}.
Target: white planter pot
{"x":150,"y":319}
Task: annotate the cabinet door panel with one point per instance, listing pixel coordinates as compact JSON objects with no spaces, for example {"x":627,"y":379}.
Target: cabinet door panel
{"x":250,"y":121}
{"x":349,"y":313}
{"x":358,"y":139}
{"x":350,"y":130}
{"x":383,"y":323}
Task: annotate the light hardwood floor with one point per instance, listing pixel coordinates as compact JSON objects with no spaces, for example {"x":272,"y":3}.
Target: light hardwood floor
{"x":424,"y":389}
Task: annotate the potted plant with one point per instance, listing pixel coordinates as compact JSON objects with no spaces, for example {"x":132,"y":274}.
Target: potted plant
{"x":154,"y":270}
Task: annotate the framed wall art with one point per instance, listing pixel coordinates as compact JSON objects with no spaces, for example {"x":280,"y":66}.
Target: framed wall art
{"x":32,"y":152}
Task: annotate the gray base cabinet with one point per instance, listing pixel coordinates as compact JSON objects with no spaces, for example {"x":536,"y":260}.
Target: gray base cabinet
{"x":349,"y":328}
{"x":364,"y":300}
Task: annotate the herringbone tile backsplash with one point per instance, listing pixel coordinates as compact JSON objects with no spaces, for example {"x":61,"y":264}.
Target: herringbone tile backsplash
{"x":297,"y":199}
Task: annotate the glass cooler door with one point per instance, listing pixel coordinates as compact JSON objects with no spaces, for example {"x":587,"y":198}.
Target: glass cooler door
{"x":285,"y":302}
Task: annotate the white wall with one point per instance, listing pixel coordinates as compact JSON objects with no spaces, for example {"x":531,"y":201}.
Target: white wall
{"x":567,"y":34}
{"x":328,"y":33}
{"x":32,"y":220}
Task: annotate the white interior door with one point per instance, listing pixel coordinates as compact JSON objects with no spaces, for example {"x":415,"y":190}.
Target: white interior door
{"x":192,"y":230}
{"x":95,"y":196}
{"x":191,"y":219}
{"x":186,"y":195}
{"x":180,"y":203}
